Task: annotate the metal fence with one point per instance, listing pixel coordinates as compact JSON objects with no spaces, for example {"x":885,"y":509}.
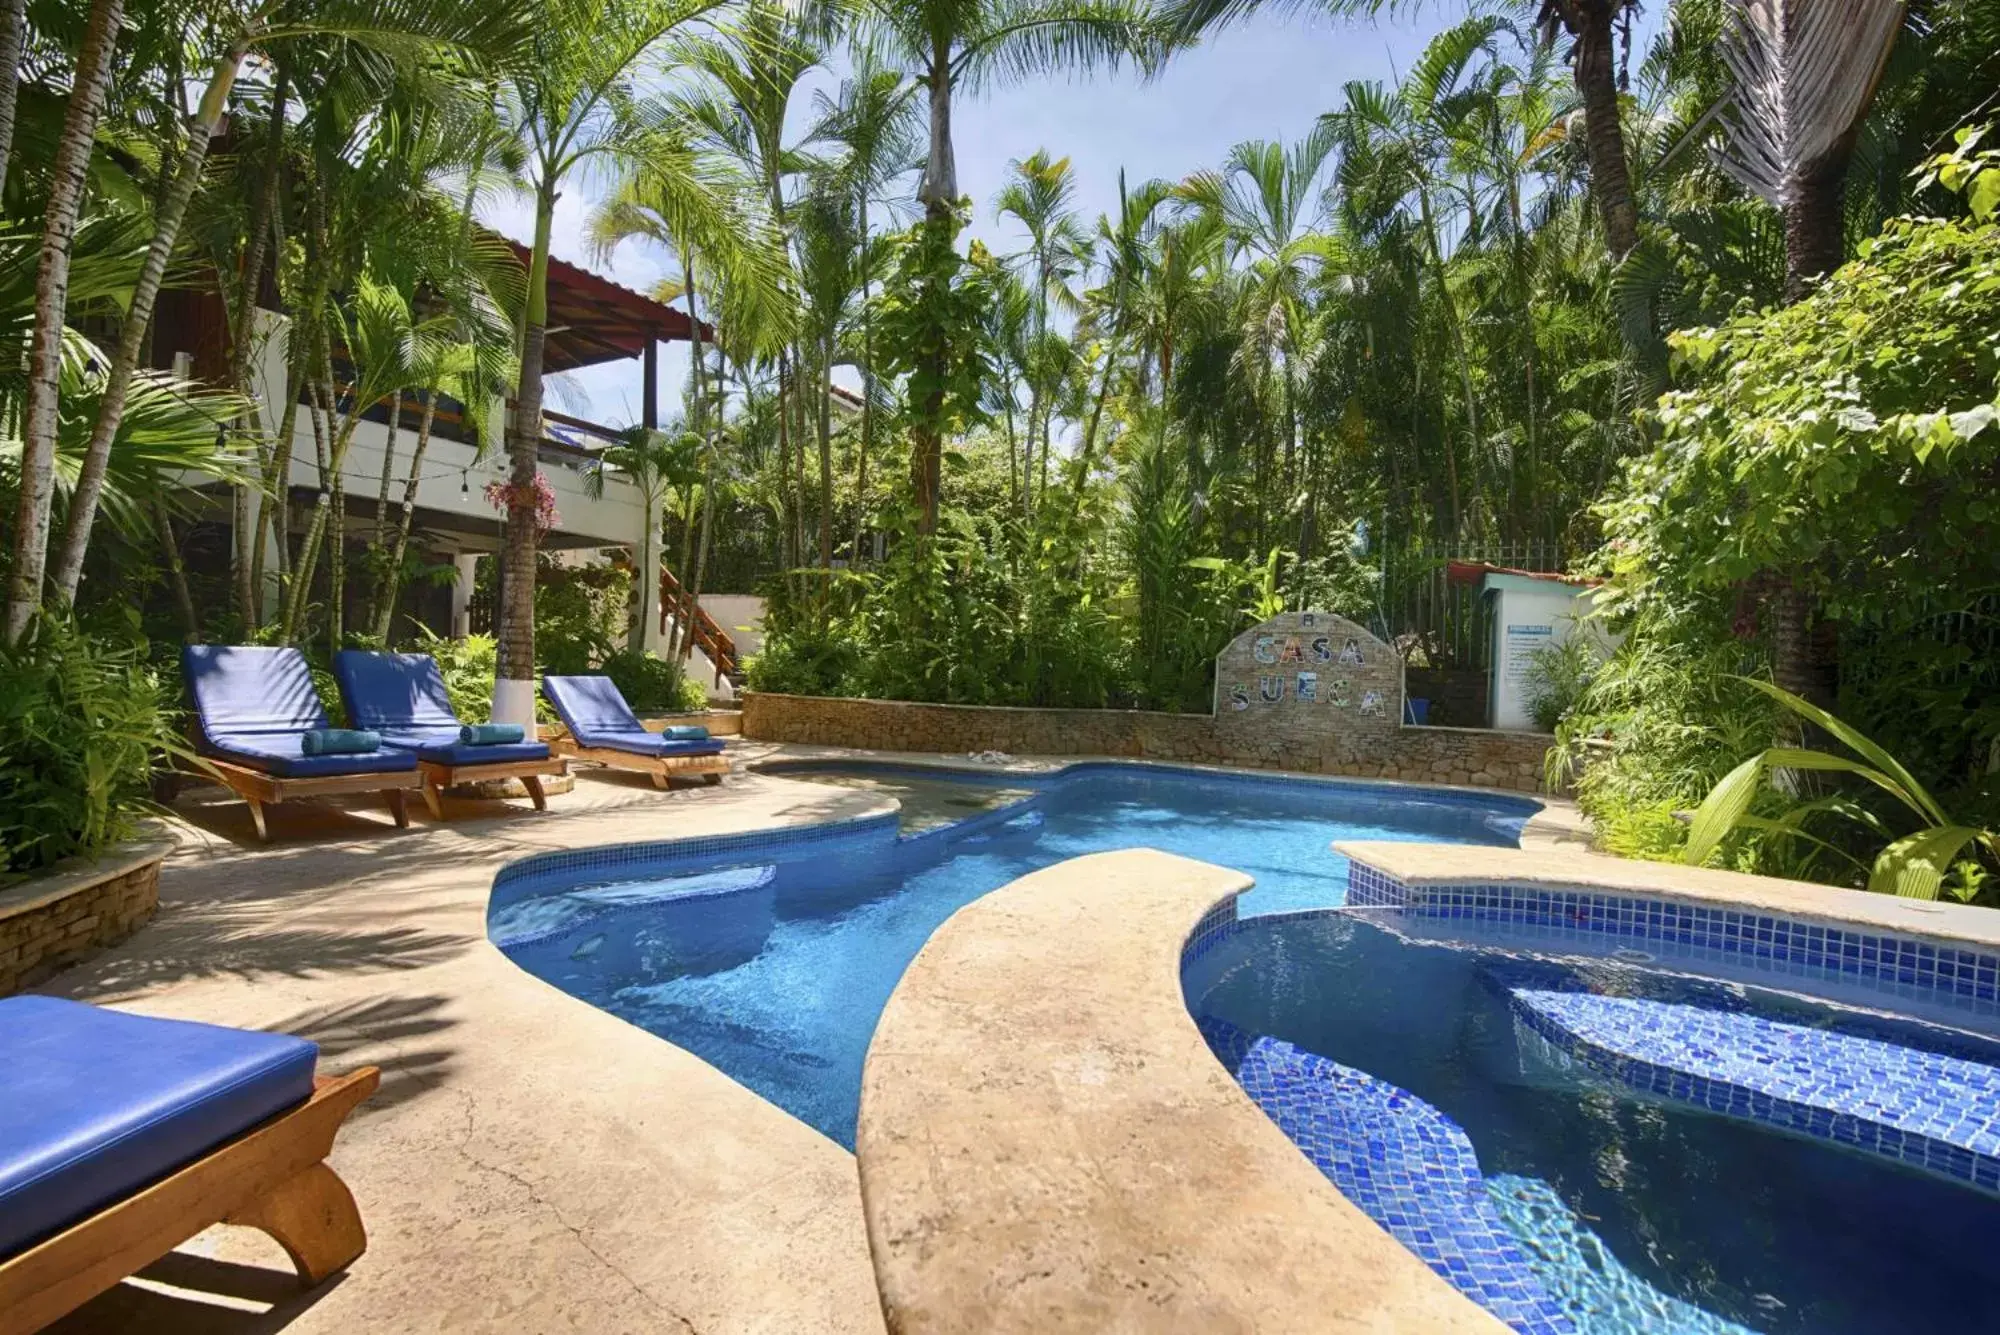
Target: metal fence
{"x":1441,"y":624}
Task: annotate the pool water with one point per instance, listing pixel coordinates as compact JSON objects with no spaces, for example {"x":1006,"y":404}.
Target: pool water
{"x":1637,"y":1216}
{"x":775,"y":967}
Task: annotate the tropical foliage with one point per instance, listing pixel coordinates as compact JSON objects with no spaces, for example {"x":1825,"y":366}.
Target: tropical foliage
{"x":1709,"y":315}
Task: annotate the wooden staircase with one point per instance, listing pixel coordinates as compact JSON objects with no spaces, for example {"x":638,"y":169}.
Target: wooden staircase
{"x":709,"y":636}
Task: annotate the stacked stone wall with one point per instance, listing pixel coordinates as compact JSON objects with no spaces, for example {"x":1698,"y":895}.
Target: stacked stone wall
{"x":49,"y":923}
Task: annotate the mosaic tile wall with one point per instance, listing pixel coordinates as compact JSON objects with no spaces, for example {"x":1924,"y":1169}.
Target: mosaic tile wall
{"x":1405,"y":1164}
{"x":1899,"y":967}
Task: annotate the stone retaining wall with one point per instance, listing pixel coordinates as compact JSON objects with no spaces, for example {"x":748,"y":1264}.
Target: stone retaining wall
{"x":1427,"y":755}
{"x":53,"y":921}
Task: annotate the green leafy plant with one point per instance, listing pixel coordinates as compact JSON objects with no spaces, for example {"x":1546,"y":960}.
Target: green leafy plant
{"x":1558,"y":676}
{"x":651,"y":683}
{"x":84,"y":722}
{"x":1915,"y":866}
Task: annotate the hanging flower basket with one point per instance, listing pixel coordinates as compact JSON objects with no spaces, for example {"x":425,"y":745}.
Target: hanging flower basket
{"x":539,"y":496}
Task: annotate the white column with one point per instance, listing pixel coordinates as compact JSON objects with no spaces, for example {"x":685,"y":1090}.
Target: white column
{"x":461,"y":593}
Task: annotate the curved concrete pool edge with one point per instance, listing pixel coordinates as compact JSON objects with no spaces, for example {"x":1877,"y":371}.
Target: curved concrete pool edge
{"x":1568,"y":869}
{"x":531,"y":1163}
{"x":1046,"y":1142}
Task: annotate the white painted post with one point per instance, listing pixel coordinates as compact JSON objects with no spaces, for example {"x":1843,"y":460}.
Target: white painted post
{"x":461,"y":593}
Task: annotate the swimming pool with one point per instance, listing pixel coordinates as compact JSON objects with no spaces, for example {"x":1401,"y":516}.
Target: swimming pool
{"x":771,"y":956}
{"x":1596,"y":1207}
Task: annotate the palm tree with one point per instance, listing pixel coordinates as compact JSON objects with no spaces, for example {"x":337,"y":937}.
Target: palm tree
{"x":1266,"y":202}
{"x":39,"y":416}
{"x":1592,"y":25}
{"x":1038,"y":196}
{"x":468,"y":30}
{"x":1802,"y":74}
{"x":873,"y":121}
{"x":655,"y":462}
{"x":13,"y":39}
{"x":577,"y":101}
{"x":946,"y":45}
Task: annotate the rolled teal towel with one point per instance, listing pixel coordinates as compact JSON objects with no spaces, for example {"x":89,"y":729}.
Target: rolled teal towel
{"x":340,"y":742}
{"x":490,"y":734}
{"x":685,"y":732}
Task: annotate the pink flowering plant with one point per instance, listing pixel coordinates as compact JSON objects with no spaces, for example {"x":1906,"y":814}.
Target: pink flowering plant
{"x":542,"y":498}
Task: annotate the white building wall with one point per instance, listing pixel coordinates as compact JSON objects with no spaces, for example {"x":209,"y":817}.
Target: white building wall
{"x":1530,"y":614}
{"x":454,"y":478}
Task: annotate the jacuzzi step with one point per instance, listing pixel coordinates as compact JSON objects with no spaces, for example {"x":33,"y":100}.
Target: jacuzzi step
{"x":1934,"y":1112}
{"x":1407,"y":1166}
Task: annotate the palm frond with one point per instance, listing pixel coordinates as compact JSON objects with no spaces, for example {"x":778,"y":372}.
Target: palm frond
{"x":1803,"y":72}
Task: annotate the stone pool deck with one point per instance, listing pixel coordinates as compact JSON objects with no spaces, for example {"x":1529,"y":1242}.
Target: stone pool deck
{"x":531,"y":1163}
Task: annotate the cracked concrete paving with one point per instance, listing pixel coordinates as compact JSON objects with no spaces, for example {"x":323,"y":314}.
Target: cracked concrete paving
{"x":531,"y":1163}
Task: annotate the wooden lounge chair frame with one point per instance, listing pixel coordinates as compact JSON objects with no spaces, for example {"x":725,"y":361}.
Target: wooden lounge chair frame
{"x":709,"y":768}
{"x":438,"y":776}
{"x":260,"y":790}
{"x":273,"y":1177}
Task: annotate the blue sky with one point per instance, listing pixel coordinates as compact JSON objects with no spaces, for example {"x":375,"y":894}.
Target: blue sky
{"x":1265,"y":79}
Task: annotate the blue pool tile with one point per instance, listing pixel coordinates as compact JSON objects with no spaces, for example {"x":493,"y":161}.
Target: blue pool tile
{"x":1406,"y":1165}
{"x":1932,"y":1111}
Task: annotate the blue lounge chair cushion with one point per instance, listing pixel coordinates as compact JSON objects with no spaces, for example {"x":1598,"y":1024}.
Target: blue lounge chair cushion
{"x":394,"y":692}
{"x":339,"y":742}
{"x":100,"y":1103}
{"x":491,"y":734}
{"x":652,"y":744}
{"x":283,"y":754}
{"x":595,"y":712}
{"x":593,"y":709}
{"x":239,"y":689}
{"x":255,"y":705}
{"x":443,"y":747}
{"x":403,"y":697}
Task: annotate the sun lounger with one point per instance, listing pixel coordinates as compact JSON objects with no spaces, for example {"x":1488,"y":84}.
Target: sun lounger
{"x":603,"y":728}
{"x":122,"y":1136}
{"x":402,"y":697}
{"x":254,"y":707}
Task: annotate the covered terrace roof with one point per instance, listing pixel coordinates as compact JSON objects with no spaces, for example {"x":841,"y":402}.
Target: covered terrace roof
{"x":593,"y":319}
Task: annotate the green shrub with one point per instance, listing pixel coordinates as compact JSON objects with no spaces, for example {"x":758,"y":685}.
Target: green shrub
{"x":1558,"y":676}
{"x":579,"y":615}
{"x":83,"y":724}
{"x":650,"y":683}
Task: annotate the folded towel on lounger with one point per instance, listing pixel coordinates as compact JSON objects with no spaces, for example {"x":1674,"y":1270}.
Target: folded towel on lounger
{"x":340,"y":742}
{"x":686,"y":732}
{"x":491,"y":734}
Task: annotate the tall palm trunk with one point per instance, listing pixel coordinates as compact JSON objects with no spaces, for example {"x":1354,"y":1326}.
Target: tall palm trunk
{"x":139,"y":319}
{"x":1590,"y":22}
{"x":299,"y":589}
{"x":700,"y":553}
{"x":1089,"y":446}
{"x":274,"y":510}
{"x":251,"y":513}
{"x":1464,"y":357}
{"x":392,"y":573}
{"x":685,"y":614}
{"x":867,"y":393}
{"x":1815,"y":222}
{"x":36,"y":497}
{"x":388,"y":471}
{"x":939,"y":192}
{"x":513,"y":686}
{"x":170,"y":548}
{"x":825,"y":378}
{"x":13,"y":38}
